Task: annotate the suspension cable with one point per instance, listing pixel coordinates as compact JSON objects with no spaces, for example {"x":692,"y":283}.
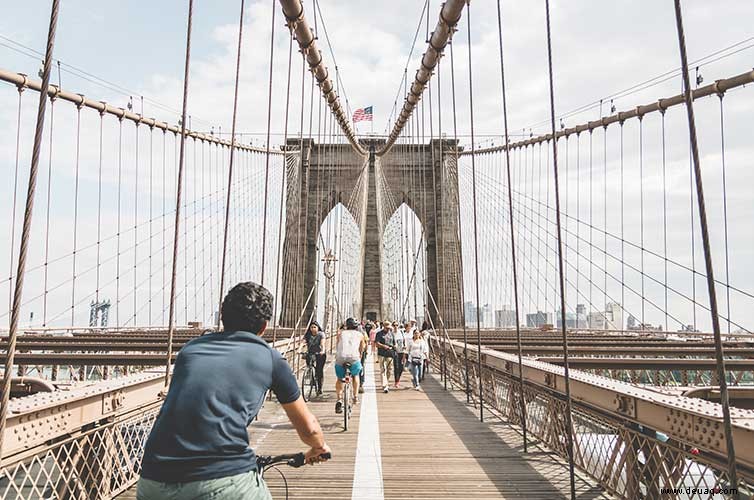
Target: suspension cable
{"x":474,"y":207}
{"x":26,"y":228}
{"x":512,"y":230}
{"x":179,"y":193}
{"x":275,"y":320}
{"x":719,"y":354}
{"x":566,"y":374}
{"x":448,"y":19}
{"x":230,"y":168}
{"x":293,"y":11}
{"x":267,"y":154}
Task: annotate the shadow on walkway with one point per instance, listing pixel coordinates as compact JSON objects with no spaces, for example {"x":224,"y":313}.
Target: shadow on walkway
{"x":497,"y":448}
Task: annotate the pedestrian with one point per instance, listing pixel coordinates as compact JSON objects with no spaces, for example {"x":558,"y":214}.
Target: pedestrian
{"x":410,"y":327}
{"x":426,"y":335}
{"x":418,"y":351}
{"x":367,"y":328}
{"x":372,"y":331}
{"x":401,"y":353}
{"x":385,"y":341}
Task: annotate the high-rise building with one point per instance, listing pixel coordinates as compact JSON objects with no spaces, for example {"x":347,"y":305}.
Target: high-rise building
{"x":581,"y":318}
{"x":488,"y":319}
{"x":596,"y":320}
{"x":571,"y":321}
{"x":613,"y":316}
{"x":469,"y":313}
{"x":537,"y":319}
{"x":505,"y":317}
{"x":611,"y":319}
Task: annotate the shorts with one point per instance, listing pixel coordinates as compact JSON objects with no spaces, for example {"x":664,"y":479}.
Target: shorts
{"x":340,"y":370}
{"x":248,"y":485}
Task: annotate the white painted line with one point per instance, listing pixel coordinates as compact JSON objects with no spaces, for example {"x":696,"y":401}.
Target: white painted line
{"x":367,"y":473}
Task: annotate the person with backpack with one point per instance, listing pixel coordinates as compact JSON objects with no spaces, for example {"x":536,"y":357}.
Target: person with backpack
{"x":350,"y":345}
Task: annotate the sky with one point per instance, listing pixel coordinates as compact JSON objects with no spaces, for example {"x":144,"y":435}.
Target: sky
{"x":599,"y":49}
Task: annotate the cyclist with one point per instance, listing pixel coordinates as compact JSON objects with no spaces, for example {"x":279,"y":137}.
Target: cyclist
{"x":199,"y":444}
{"x":315,"y":349}
{"x":350,"y":345}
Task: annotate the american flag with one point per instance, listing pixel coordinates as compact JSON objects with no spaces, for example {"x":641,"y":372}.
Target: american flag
{"x":363,"y":114}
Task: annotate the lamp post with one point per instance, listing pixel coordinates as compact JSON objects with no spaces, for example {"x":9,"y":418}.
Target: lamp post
{"x":328,"y":269}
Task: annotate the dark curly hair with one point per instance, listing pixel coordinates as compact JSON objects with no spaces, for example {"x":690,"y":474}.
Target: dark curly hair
{"x":247,"y":307}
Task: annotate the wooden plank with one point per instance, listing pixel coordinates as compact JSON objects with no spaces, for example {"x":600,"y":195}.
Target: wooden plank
{"x":433,"y":447}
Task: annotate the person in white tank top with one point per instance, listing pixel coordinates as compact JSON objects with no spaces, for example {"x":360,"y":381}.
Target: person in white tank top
{"x":350,"y":344}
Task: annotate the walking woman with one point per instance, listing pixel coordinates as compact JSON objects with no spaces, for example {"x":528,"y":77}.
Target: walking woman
{"x":418,"y":351}
{"x":315,"y":347}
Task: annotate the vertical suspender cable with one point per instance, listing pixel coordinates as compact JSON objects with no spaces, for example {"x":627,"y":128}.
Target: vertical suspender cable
{"x":267,"y":144}
{"x":230,"y":168}
{"x":75,"y":210}
{"x":282,"y":193}
{"x":476,"y":246}
{"x":460,"y":230}
{"x":512,"y":229}
{"x":47,"y":210}
{"x":719,"y":355}
{"x":566,"y":374}
{"x":178,"y":195}
{"x":26,"y":228}
{"x":15,"y":196}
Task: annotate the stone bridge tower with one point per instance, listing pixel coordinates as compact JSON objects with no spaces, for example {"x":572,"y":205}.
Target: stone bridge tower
{"x":372,"y":188}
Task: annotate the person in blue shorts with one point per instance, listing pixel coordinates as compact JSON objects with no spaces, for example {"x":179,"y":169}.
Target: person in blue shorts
{"x":350,"y":345}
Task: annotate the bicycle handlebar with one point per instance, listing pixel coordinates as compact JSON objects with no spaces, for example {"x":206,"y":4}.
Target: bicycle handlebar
{"x":292,"y":460}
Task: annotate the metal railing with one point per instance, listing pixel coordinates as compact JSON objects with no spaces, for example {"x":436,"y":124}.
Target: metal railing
{"x":86,"y":443}
{"x":618,"y":435}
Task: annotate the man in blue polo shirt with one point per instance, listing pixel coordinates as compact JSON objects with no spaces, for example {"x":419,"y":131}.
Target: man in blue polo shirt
{"x":199,"y":444}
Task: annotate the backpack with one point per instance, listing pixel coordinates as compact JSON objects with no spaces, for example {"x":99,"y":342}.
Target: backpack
{"x":348,"y":347}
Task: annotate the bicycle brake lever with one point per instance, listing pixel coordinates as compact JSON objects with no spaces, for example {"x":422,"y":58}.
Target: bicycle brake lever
{"x":297,"y":461}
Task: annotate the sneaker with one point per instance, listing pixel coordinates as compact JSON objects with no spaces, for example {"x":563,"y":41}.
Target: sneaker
{"x":355,"y":401}
{"x":385,"y":390}
{"x":339,"y":407}
{"x":319,"y":392}
{"x":361,"y":389}
{"x":418,"y":388}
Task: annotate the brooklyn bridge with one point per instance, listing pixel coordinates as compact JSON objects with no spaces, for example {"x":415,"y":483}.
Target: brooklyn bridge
{"x":585,"y":282}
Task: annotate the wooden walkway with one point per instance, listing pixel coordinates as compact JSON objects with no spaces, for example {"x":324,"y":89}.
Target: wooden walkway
{"x":431,"y":446}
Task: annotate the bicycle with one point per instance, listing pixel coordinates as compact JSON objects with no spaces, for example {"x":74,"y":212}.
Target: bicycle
{"x":309,"y":377}
{"x":295,"y":460}
{"x":347,"y":388}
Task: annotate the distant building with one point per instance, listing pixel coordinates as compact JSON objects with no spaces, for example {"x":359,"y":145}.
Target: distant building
{"x":505,"y":317}
{"x":610,"y":319}
{"x":537,"y":319}
{"x":570,"y":320}
{"x":631,"y":322}
{"x":488,"y":318}
{"x":470,"y":313}
{"x":581,"y":317}
{"x":596,"y":321}
{"x":614,"y":316}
